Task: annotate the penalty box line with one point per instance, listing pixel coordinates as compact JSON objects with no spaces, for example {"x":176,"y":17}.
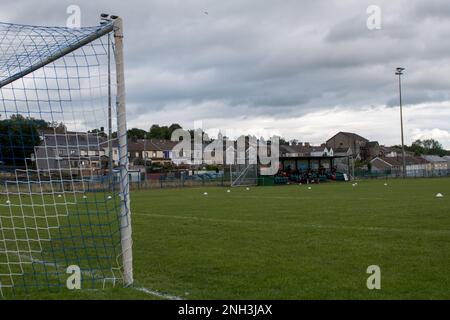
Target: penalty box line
{"x":310,"y":226}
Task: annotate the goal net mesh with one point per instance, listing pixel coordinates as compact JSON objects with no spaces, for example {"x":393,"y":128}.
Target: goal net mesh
{"x":62,"y":198}
{"x":244,"y":172}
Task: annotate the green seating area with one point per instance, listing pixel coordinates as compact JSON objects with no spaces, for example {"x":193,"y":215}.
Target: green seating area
{"x":280,"y":180}
{"x":296,"y":178}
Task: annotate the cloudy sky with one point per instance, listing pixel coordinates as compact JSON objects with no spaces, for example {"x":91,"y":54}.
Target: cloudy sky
{"x":301,"y":69}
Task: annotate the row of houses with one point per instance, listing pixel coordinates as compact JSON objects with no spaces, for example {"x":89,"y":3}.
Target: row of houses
{"x":81,"y":153}
{"x":386,"y":159}
{"x":89,"y":153}
{"x":415,"y":165}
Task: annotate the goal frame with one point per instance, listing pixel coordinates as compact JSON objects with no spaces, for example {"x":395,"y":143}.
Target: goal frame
{"x":115,"y":27}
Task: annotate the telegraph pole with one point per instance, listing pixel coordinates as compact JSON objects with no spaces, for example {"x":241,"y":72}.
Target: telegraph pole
{"x":399,"y":72}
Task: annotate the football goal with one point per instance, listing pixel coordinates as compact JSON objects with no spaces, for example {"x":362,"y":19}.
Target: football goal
{"x":64,"y":194}
{"x":244,"y":172}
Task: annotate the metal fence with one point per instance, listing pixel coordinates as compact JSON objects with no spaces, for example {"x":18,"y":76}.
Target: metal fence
{"x":181,"y":181}
{"x":391,"y":174}
{"x":109,"y":183}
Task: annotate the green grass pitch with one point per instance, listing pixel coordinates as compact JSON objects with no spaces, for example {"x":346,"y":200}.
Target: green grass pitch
{"x":288,"y":242}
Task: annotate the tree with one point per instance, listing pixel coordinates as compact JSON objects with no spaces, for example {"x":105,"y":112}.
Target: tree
{"x":199,"y":134}
{"x":164,"y":132}
{"x":98,"y":132}
{"x":136,"y":133}
{"x":18,"y":137}
{"x":172,"y":128}
{"x":59,"y":127}
{"x":427,"y":147}
{"x":154,"y":132}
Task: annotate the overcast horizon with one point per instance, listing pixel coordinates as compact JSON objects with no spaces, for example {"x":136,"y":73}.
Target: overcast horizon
{"x":298,"y":69}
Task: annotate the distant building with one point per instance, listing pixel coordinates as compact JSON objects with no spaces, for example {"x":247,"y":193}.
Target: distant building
{"x":448,"y":161}
{"x":71,"y":153}
{"x":304,"y":156}
{"x":140,"y":150}
{"x":437,"y":163}
{"x":415,"y":166}
{"x":360,"y":147}
{"x":393,"y":152}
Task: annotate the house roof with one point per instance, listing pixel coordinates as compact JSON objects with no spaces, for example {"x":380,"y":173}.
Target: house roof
{"x":74,"y":139}
{"x":388,"y":149}
{"x":350,"y":135}
{"x":434,"y":158}
{"x":156,"y":145}
{"x":398,"y":161}
{"x":300,"y":149}
{"x":148,"y":145}
{"x":318,"y":149}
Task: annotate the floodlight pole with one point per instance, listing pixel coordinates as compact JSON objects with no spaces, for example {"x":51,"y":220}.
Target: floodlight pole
{"x":125,"y":214}
{"x":145,"y":159}
{"x":399,"y":72}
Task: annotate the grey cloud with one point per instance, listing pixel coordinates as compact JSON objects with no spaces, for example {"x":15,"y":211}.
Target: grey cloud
{"x":280,"y":59}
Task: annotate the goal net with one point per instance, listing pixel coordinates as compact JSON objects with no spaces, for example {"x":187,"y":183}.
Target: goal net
{"x":244,"y":172}
{"x":64,"y":195}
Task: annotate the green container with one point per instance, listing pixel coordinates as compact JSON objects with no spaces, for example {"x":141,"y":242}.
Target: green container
{"x":266,"y":181}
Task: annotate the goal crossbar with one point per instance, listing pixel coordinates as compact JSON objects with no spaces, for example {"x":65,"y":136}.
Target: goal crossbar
{"x":100,"y":32}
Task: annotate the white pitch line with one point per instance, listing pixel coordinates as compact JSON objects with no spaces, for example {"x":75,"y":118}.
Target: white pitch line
{"x":158,"y":294}
{"x":296,"y":197}
{"x":314,"y":226}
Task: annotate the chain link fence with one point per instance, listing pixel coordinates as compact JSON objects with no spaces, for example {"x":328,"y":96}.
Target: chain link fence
{"x":393,"y":174}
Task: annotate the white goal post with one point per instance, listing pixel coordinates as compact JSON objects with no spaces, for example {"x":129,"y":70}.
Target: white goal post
{"x":126,"y":240}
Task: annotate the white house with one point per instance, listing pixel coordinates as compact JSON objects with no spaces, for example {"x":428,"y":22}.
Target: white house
{"x":437,"y":163}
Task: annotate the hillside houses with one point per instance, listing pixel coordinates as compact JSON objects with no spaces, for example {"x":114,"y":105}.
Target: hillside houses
{"x":359,"y":147}
{"x":394,"y":165}
{"x":437,"y":163}
{"x":81,"y":154}
{"x":72,"y":154}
